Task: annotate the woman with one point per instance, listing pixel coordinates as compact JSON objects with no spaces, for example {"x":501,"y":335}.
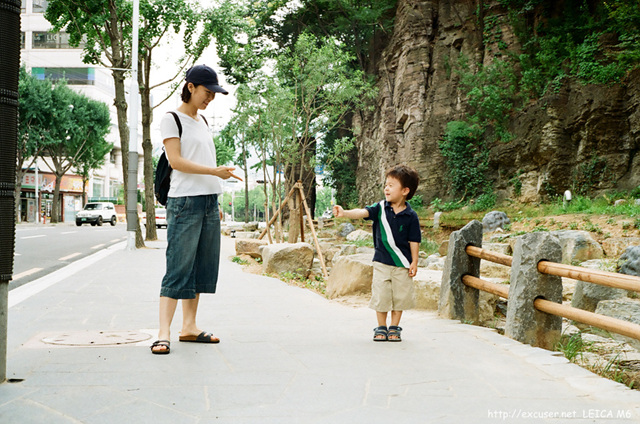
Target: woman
{"x":193,"y":220}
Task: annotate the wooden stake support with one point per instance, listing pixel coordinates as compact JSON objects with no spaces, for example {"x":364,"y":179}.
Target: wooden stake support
{"x":298,"y":186}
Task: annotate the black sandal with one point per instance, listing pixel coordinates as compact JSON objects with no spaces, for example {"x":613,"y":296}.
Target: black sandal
{"x":165,"y":343}
{"x":380,"y":331}
{"x":395,"y":331}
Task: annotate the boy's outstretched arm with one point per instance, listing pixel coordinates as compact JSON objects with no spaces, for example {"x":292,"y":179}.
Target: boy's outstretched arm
{"x":338,"y":212}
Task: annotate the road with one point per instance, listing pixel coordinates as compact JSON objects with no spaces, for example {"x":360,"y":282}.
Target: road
{"x":42,"y":249}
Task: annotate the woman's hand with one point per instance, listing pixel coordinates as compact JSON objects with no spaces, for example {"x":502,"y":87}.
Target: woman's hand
{"x":225,"y":173}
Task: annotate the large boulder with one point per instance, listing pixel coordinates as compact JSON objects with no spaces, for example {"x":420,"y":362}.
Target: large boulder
{"x":329,"y":251}
{"x":615,"y":246}
{"x":427,"y":288}
{"x":347,"y":249}
{"x":250,"y":247}
{"x":250,"y":226}
{"x":359,"y":235}
{"x":625,"y":309}
{"x":350,"y":275}
{"x":578,"y":246}
{"x":502,"y":248}
{"x":587,"y":295}
{"x":629,"y":262}
{"x":245,"y":234}
{"x":345,"y":229}
{"x":494,"y":220}
{"x":287,"y":257}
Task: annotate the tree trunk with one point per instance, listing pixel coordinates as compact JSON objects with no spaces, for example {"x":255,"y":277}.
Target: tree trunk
{"x":294,"y":218}
{"x":246,"y":181}
{"x":123,"y":129}
{"x":147,"y":148}
{"x":55,"y":209}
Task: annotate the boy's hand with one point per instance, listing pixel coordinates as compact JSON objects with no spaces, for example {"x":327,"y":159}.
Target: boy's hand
{"x":338,"y":211}
{"x":413,"y":269}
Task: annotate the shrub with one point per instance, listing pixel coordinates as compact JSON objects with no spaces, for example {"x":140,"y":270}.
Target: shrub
{"x":467,"y":157}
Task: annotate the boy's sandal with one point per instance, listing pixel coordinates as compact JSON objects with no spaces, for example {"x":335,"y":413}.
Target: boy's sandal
{"x":380,"y":334}
{"x":165,"y":343}
{"x":394,"y":333}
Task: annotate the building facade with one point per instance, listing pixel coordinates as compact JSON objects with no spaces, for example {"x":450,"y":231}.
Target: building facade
{"x":47,"y":54}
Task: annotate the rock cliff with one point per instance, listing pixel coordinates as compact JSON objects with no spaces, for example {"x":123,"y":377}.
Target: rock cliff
{"x":580,"y":134}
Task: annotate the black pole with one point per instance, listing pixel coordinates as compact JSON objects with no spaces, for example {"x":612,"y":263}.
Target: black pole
{"x":9,"y":67}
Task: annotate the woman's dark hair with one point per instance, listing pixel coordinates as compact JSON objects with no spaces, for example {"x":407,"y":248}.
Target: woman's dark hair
{"x":186,"y":94}
{"x":407,"y":176}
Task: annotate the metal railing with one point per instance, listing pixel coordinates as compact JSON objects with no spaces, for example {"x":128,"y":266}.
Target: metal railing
{"x":609,"y":279}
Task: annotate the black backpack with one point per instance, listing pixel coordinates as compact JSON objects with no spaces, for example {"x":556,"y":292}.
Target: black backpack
{"x":162,"y":182}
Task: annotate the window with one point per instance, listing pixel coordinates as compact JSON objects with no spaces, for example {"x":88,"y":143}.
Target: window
{"x":97,"y":187}
{"x":21,"y":40}
{"x":74,"y":76}
{"x":39,"y":6}
{"x":112,"y":157}
{"x":52,"y":40}
{"x":23,"y":6}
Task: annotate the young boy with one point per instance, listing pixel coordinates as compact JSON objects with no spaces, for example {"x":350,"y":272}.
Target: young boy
{"x":396,"y":238}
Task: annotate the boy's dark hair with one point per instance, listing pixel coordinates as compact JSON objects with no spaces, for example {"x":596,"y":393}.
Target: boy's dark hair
{"x":407,"y":176}
{"x":186,"y":94}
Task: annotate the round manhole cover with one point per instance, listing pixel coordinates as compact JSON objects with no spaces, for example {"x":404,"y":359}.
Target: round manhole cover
{"x":96,"y":338}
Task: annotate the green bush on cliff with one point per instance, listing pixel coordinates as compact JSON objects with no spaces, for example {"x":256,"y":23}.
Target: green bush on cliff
{"x":467,"y":158}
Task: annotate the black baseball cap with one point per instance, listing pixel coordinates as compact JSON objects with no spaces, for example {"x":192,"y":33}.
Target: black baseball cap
{"x":204,"y":75}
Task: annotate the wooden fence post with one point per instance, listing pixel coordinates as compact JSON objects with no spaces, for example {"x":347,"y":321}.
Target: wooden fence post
{"x":458,"y":301}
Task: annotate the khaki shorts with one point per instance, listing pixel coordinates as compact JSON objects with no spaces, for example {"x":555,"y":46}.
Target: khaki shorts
{"x":391,"y":289}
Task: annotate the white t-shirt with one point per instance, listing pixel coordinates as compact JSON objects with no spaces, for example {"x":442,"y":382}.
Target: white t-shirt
{"x":197,"y":146}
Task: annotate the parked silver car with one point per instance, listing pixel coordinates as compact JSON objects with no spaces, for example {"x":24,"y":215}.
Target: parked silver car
{"x":161,"y":218}
{"x":96,"y":213}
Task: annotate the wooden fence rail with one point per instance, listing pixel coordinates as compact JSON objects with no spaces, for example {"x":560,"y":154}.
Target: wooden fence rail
{"x":609,"y":279}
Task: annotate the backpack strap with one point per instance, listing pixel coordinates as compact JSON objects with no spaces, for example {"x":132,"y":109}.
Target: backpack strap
{"x":205,"y":120}
{"x":178,"y":123}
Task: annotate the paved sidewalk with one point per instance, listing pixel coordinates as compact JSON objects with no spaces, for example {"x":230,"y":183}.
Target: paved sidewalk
{"x":287,"y":356}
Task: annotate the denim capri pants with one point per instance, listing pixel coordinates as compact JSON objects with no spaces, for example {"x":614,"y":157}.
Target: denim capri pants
{"x":193,"y":251}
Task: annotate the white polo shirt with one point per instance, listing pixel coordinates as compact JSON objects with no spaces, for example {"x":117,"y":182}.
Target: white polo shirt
{"x":196,"y":145}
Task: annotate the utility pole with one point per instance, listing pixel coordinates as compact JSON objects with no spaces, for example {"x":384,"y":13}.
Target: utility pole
{"x":9,"y":67}
{"x":132,"y":175}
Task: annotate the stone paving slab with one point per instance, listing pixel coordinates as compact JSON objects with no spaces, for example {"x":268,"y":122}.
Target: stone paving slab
{"x":287,"y":355}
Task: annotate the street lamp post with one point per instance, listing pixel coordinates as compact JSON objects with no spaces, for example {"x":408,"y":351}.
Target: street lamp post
{"x":132,"y":175}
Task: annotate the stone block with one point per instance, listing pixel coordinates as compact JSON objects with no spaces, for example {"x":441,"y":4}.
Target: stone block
{"x":287,"y":257}
{"x":427,"y":289}
{"x":444,"y":248}
{"x":350,"y":275}
{"x":624,"y":309}
{"x":578,"y":246}
{"x":347,"y":249}
{"x":525,"y":323}
{"x":629,"y":262}
{"x":364,"y":250}
{"x":502,"y":248}
{"x":250,"y":226}
{"x":490,"y":269}
{"x":494,"y":220}
{"x":435,"y":262}
{"x":587,"y":295}
{"x":245,"y":234}
{"x":457,"y":301}
{"x":359,"y":235}
{"x":345,"y":229}
{"x":250,"y":247}
{"x":615,"y":246}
